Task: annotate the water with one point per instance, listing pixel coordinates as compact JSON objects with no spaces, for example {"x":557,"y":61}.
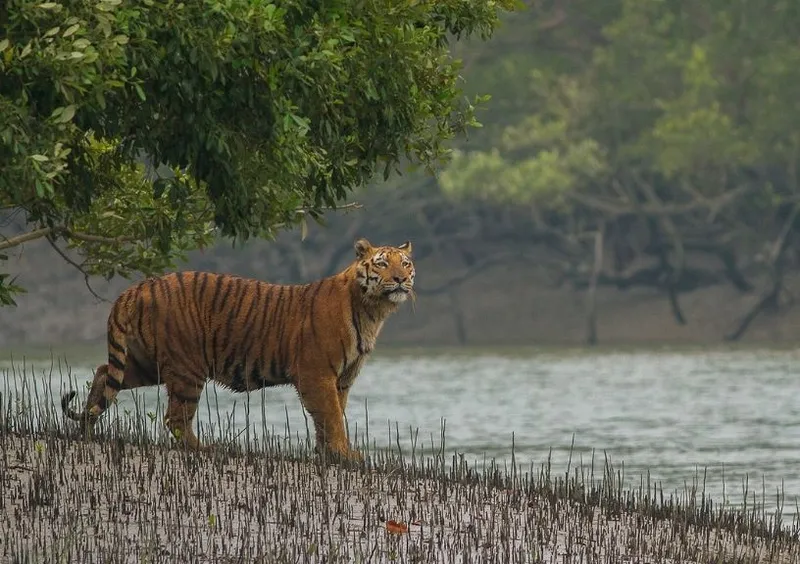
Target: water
{"x":735,"y":413}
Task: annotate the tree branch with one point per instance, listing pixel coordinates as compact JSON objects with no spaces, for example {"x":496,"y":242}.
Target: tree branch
{"x":61,"y":231}
{"x":591,"y":315}
{"x":339,"y":252}
{"x":345,"y":207}
{"x":25,"y":237}
{"x":7,"y":243}
{"x":455,"y":306}
{"x":89,"y":238}
{"x":615,"y":210}
{"x":674,"y":268}
{"x":723,"y":251}
{"x":654,"y":276}
{"x":554,"y":19}
{"x":770,"y":298}
{"x":475,"y":270}
{"x":78,"y":267}
{"x":748,"y":318}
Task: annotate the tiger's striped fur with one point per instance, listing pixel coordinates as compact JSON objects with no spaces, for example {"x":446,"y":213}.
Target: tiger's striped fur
{"x":184,"y":328}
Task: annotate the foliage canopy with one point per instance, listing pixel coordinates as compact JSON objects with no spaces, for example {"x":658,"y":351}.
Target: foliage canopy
{"x":259,"y":113}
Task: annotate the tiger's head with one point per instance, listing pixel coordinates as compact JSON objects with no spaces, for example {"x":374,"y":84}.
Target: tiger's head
{"x":385,"y":273}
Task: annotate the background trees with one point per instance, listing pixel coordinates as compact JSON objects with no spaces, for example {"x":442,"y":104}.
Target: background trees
{"x":659,"y":147}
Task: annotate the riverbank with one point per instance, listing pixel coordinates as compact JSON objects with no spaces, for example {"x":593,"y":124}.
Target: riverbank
{"x":129,"y":500}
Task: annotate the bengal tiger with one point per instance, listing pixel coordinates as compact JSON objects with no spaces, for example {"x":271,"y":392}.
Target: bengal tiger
{"x":184,"y":328}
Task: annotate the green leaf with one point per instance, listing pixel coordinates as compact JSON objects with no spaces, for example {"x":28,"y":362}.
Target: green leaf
{"x":40,"y":158}
{"x":71,"y":30}
{"x":105,"y":6}
{"x":66,"y":114}
{"x":159,"y":187}
{"x":140,"y":92}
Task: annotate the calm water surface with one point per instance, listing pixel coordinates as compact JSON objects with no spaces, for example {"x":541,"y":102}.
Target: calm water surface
{"x":734,"y":412}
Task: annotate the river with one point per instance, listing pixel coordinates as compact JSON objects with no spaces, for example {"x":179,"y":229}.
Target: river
{"x":732,"y":412}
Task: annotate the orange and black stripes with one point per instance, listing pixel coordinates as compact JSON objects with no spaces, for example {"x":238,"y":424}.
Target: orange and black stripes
{"x":184,"y":328}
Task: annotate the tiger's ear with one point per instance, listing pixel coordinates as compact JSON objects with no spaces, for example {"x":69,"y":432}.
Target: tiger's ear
{"x":406,"y":247}
{"x":363,"y":248}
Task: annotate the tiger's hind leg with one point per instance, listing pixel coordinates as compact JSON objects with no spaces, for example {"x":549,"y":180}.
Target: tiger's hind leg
{"x":135,"y":376}
{"x":95,"y":394}
{"x":115,"y":375}
{"x":181,"y":408}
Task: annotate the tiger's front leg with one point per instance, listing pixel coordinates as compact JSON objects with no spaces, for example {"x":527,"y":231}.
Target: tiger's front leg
{"x":182,"y":403}
{"x":321,"y":399}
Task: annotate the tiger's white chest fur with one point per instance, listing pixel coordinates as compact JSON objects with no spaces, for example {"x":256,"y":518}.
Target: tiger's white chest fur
{"x":363,"y":336}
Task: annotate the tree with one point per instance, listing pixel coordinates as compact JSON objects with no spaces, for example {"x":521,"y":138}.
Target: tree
{"x":665,"y":156}
{"x":258,"y":114}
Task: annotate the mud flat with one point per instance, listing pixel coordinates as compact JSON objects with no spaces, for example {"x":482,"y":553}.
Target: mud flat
{"x":121,"y":498}
{"x":132,"y":495}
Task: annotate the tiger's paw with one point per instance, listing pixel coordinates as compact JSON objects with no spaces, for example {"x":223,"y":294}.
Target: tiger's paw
{"x":353,"y":455}
{"x":341,"y":457}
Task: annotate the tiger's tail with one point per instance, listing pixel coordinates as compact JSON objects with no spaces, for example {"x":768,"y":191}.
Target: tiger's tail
{"x":71,"y":413}
{"x":85,"y":418}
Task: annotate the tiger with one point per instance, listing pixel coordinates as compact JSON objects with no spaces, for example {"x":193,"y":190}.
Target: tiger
{"x":183,"y":329}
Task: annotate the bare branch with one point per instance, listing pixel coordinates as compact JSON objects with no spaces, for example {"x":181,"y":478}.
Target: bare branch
{"x":345,"y":207}
{"x":650,"y":276}
{"x":302,"y":211}
{"x":615,"y":210}
{"x":748,"y":318}
{"x":556,"y":17}
{"x":780,"y":243}
{"x":555,"y":20}
{"x":455,"y":306}
{"x":25,"y":237}
{"x":78,"y":267}
{"x":674,"y":268}
{"x":591,"y":314}
{"x":722,"y":250}
{"x":89,"y":238}
{"x":61,"y":231}
{"x":770,"y":297}
{"x":675,"y":305}
{"x":335,"y":255}
{"x":477,"y":269}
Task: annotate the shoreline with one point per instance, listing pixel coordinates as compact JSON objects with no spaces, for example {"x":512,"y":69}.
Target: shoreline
{"x":97,"y":349}
{"x":113,"y":500}
{"x":513,"y":304}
